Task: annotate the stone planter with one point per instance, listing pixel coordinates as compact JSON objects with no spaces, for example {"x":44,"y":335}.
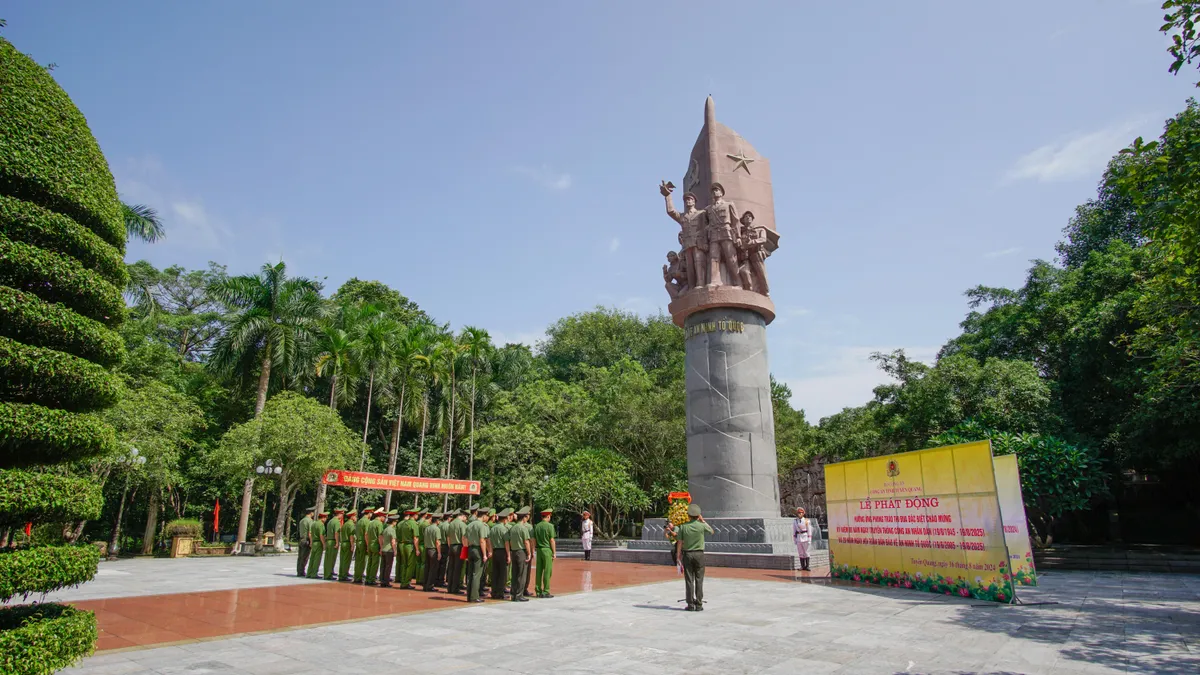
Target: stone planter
{"x":103,"y":546}
{"x":182,"y":546}
{"x":210,"y":550}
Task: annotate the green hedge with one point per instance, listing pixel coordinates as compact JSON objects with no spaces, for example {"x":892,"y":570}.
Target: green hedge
{"x":53,"y":379}
{"x":31,"y":434}
{"x":47,"y":153}
{"x":185,"y":527}
{"x":43,"y":569}
{"x":55,"y":278}
{"x":44,"y":638}
{"x":46,"y":497}
{"x":25,"y":221}
{"x":27,"y":318}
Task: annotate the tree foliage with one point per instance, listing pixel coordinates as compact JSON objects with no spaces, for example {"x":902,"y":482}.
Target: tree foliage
{"x":598,"y":480}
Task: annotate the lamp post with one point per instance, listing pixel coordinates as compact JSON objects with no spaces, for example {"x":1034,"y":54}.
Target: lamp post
{"x":129,"y":460}
{"x":267,"y":468}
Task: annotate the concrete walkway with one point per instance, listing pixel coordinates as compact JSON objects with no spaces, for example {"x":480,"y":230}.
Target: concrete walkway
{"x":1103,"y":623}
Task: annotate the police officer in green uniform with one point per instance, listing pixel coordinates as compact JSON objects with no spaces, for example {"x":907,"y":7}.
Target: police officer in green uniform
{"x":361,"y":546}
{"x":305,"y":543}
{"x":477,"y":555}
{"x":444,"y":562}
{"x":374,"y":537}
{"x":544,"y":535}
{"x":497,"y":538}
{"x":316,"y":537}
{"x":490,"y":520}
{"x":388,"y":551}
{"x":333,"y":541}
{"x":455,"y":566}
{"x":518,"y":546}
{"x":422,"y":523}
{"x":690,"y":547}
{"x":432,"y":540}
{"x":408,"y":546}
{"x":349,"y":536}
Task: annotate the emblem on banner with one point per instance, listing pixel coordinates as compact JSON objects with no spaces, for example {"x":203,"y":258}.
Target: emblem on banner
{"x":893,"y":468}
{"x":331,"y":477}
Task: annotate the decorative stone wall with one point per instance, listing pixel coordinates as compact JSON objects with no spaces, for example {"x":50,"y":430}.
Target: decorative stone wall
{"x":805,"y":486}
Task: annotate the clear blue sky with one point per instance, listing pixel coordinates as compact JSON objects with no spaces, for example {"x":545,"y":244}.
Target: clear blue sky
{"x":498,"y":162}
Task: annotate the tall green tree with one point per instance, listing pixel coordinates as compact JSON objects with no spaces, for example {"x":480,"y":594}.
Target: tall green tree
{"x":375,"y":336}
{"x":477,"y":345}
{"x":269,"y":313}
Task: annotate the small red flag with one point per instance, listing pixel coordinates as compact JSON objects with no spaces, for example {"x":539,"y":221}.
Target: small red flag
{"x":217,"y":518}
{"x":28,"y":530}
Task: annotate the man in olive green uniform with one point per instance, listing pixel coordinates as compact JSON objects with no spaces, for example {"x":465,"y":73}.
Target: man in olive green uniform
{"x":455,"y":567}
{"x":544,"y":535}
{"x":489,"y":519}
{"x":497,"y":538}
{"x":518,"y":546}
{"x":387,"y":550}
{"x":374,"y":537}
{"x":444,"y":562}
{"x":316,"y":537}
{"x":360,"y":546}
{"x":477,"y":555}
{"x":305,"y":543}
{"x":690,"y":546}
{"x":432,"y":542}
{"x":406,"y":537}
{"x":333,"y":542}
{"x":349,"y":535}
{"x":422,"y":523}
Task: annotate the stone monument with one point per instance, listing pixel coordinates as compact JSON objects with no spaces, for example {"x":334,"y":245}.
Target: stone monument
{"x":717,"y":283}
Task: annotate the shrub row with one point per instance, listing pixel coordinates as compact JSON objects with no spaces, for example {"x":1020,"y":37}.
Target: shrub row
{"x":47,"y":152}
{"x":55,"y":278}
{"x":185,"y":527}
{"x":44,"y":638}
{"x":46,"y":497}
{"x":43,"y":569}
{"x":25,"y":221}
{"x":27,"y":318}
{"x":32,"y":434}
{"x":53,"y":379}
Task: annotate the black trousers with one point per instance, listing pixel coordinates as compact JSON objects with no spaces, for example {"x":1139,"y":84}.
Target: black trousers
{"x":474,"y":573}
{"x":431,"y":569}
{"x":443,"y":565}
{"x":520,"y":572}
{"x":385,"y":568}
{"x":454,"y":570}
{"x":302,"y":561}
{"x":499,"y":573}
{"x":693,"y":577}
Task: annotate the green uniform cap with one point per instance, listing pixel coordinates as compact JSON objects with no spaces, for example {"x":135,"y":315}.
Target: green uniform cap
{"x":393,"y":516}
{"x":367,"y":510}
{"x":311,"y":508}
{"x":505,"y":513}
{"x":439,"y":514}
{"x":482,"y":509}
{"x":545,"y":511}
{"x":474,"y":507}
{"x":323,"y":513}
{"x":408,"y":511}
{"x":523,"y":511}
{"x":339,"y":510}
{"x":422,"y":512}
{"x":491,"y":512}
{"x":693,"y":510}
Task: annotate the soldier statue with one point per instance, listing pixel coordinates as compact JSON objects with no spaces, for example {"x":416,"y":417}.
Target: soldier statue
{"x":752,"y":250}
{"x":723,"y":230}
{"x":693,"y":235}
{"x":675,"y":275}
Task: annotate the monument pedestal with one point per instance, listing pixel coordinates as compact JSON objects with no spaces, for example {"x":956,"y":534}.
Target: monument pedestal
{"x":756,"y":543}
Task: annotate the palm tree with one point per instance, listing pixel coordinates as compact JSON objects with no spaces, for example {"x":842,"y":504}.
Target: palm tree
{"x":142,"y":221}
{"x":406,"y":355}
{"x":446,"y":354}
{"x":429,"y":377}
{"x":375,"y":336}
{"x":270,"y":315}
{"x":477,"y":345}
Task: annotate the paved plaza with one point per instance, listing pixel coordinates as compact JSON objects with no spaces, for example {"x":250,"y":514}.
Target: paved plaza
{"x":619,"y":618}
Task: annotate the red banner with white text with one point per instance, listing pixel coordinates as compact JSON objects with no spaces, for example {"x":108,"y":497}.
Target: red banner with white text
{"x":384,"y":481}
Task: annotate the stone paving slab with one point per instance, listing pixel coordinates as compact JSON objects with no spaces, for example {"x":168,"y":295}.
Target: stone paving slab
{"x":1102,"y":623}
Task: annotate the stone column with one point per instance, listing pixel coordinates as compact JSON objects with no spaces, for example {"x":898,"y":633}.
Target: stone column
{"x":732,"y":471}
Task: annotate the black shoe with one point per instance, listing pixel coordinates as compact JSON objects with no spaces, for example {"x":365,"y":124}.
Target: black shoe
{"x":479,"y":600}
{"x":520,"y":599}
{"x":699,"y":608}
{"x":547,"y":595}
{"x":690,"y":608}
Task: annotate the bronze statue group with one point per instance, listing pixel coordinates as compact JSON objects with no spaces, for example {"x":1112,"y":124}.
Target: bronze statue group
{"x":461,"y":552}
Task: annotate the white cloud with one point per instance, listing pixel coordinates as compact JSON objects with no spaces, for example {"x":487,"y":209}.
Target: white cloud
{"x":545,"y":176}
{"x":614,"y":245}
{"x":844,"y":377}
{"x":188,"y":224}
{"x":1081,"y":156}
{"x":1002,"y":252}
{"x":530,"y":338}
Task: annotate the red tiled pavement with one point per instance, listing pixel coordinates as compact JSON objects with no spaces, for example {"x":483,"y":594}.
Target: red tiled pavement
{"x":184,"y":617}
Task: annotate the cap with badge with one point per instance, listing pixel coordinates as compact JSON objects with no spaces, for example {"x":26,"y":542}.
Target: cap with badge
{"x":694,"y":511}
{"x":523,"y":511}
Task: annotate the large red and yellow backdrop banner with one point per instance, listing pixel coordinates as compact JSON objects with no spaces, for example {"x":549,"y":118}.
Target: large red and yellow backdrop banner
{"x":927,"y":520}
{"x":384,"y":481}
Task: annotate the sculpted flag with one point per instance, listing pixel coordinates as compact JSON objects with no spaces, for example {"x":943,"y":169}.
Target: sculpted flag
{"x":384,"y":481}
{"x":928,"y":520}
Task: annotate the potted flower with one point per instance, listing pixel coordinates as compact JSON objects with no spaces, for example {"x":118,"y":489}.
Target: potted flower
{"x":184,"y":532}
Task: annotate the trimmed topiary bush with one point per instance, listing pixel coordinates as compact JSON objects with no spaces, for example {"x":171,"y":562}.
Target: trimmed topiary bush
{"x":185,"y":527}
{"x":45,"y":568}
{"x":43,"y":638}
{"x":62,"y":240}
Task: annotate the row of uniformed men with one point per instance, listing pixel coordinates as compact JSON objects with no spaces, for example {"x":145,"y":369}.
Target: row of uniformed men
{"x":428,"y":546}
